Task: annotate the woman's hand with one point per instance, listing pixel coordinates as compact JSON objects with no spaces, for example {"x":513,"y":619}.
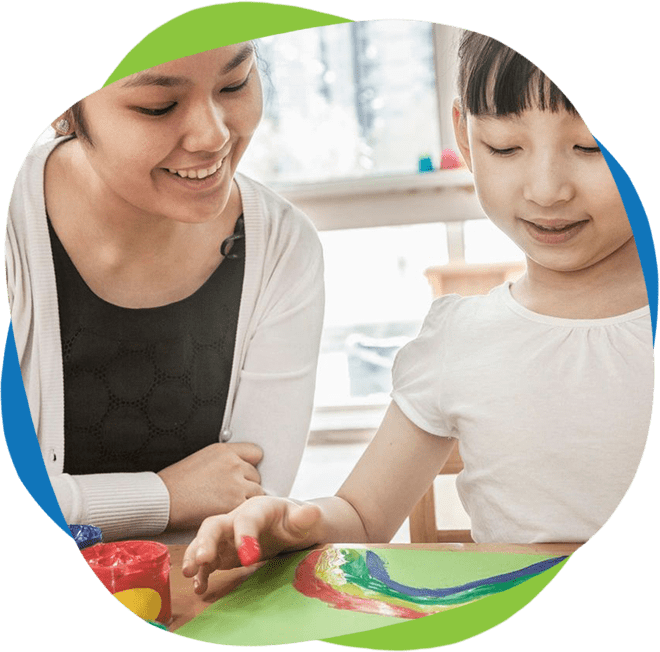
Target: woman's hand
{"x":258,"y":529}
{"x":214,"y":480}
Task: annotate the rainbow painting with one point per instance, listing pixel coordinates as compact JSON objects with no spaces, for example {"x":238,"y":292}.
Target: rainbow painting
{"x":358,"y":580}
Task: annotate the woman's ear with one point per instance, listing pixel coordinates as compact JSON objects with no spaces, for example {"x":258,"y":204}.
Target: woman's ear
{"x":64,"y":124}
{"x":460,"y":131}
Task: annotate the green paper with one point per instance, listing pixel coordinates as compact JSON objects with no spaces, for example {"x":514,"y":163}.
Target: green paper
{"x":267,"y":610}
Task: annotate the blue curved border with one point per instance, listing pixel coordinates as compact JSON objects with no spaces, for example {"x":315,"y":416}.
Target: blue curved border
{"x":641,"y":230}
{"x":21,"y":437}
{"x":17,"y":422}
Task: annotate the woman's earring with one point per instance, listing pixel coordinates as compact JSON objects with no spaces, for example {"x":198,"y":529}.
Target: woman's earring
{"x":62,"y":127}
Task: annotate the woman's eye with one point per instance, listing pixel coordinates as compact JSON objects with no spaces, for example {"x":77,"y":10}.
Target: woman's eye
{"x":587,"y":150}
{"x":507,"y":151}
{"x":237,"y":87}
{"x":155,"y":112}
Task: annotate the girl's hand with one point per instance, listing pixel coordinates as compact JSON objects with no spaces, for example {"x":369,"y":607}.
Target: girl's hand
{"x":258,"y":529}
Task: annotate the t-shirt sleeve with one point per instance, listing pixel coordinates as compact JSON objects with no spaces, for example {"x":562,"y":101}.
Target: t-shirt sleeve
{"x":417,"y":374}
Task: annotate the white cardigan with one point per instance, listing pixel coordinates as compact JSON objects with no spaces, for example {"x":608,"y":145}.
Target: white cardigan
{"x":273,"y":374}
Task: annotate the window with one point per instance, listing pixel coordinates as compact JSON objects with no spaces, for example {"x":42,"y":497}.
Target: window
{"x":346,"y":101}
{"x":376,"y":299}
{"x":350,"y":111}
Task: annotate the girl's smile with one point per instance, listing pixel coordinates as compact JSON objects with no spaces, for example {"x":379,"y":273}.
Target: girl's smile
{"x":553,"y":232}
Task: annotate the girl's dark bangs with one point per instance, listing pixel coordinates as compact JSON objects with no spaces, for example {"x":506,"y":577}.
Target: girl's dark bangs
{"x":502,"y":82}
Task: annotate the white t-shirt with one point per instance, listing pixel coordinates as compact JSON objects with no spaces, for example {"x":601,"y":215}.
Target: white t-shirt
{"x":551,"y":414}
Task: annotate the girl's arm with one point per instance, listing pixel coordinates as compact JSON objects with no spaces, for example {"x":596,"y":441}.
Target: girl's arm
{"x":392,"y":475}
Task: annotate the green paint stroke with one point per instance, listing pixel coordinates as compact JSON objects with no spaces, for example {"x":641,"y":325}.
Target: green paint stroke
{"x":454,"y":625}
{"x":211,"y":27}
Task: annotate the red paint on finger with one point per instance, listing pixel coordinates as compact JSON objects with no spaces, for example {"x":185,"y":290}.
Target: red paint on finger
{"x":249,"y":551}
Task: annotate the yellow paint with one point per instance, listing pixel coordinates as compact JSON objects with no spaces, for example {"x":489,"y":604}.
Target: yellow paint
{"x":145,"y":603}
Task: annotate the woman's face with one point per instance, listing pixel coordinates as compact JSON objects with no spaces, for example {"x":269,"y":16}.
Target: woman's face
{"x":167,"y":141}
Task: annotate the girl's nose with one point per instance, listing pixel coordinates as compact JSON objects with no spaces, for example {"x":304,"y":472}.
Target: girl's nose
{"x":549,"y":181}
{"x":206,"y":129}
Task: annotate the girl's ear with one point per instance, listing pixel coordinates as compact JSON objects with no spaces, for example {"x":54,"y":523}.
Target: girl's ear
{"x":460,"y":131}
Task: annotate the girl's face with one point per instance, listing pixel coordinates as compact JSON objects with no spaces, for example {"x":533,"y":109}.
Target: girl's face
{"x":167,"y":141}
{"x":541,"y":178}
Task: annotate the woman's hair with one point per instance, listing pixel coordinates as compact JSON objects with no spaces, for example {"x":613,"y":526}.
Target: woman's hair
{"x":76,"y":119}
{"x":79,"y":124}
{"x":494,"y":79}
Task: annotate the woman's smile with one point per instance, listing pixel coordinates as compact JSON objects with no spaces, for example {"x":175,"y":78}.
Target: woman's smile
{"x":197,"y":178}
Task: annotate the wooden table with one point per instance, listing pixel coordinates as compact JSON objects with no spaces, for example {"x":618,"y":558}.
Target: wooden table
{"x":186,"y":604}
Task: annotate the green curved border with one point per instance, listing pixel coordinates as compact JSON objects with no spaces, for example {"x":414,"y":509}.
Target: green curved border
{"x":211,"y":27}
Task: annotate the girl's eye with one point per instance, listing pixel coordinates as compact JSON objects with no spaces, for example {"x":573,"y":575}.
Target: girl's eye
{"x":587,"y":150}
{"x":155,"y":112}
{"x":508,"y":151}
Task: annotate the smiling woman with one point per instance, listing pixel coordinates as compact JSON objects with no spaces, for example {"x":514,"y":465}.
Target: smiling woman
{"x":167,"y":310}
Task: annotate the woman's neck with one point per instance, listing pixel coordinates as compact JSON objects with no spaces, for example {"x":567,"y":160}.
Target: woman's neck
{"x":126,"y":257}
{"x":613,"y":286}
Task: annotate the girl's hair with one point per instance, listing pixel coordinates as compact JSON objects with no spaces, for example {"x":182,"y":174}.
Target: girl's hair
{"x":494,"y":79}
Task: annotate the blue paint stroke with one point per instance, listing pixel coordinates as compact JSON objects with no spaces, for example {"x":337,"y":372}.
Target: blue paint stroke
{"x":378,"y":571}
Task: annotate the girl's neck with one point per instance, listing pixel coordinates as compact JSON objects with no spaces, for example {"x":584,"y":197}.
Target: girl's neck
{"x":613,"y":286}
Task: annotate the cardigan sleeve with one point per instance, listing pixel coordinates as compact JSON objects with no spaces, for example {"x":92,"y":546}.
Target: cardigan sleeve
{"x":275,"y":393}
{"x":121,"y":504}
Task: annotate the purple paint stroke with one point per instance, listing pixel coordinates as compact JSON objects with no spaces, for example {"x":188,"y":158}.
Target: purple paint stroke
{"x":377,"y":571}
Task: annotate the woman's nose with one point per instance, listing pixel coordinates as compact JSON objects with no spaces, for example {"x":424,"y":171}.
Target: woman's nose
{"x":206,"y":129}
{"x":549,"y":180}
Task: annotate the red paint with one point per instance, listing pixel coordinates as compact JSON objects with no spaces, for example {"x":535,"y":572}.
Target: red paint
{"x":249,"y":552}
{"x":133,"y":565}
{"x":307,"y":583}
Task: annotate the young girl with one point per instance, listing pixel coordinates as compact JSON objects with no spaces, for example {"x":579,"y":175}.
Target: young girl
{"x":167,"y":310}
{"x":546,"y":383}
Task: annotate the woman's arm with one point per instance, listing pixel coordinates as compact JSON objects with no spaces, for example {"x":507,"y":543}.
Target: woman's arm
{"x":275,"y":394}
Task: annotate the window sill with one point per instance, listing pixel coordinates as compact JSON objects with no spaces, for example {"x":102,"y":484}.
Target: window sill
{"x":356,"y":421}
{"x":439,"y":196}
{"x":392,"y":184}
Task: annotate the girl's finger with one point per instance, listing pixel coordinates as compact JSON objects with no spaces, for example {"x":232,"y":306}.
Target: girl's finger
{"x":205,"y":546}
{"x":201,"y":579}
{"x":254,"y":517}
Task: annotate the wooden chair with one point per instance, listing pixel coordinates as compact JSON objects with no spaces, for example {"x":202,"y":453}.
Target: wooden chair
{"x":423,"y":527}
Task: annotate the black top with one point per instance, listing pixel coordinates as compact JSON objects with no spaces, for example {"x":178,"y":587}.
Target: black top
{"x":144,"y":388}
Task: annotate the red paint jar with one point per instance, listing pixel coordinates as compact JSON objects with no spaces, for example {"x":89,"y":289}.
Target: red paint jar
{"x":137,"y":573}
